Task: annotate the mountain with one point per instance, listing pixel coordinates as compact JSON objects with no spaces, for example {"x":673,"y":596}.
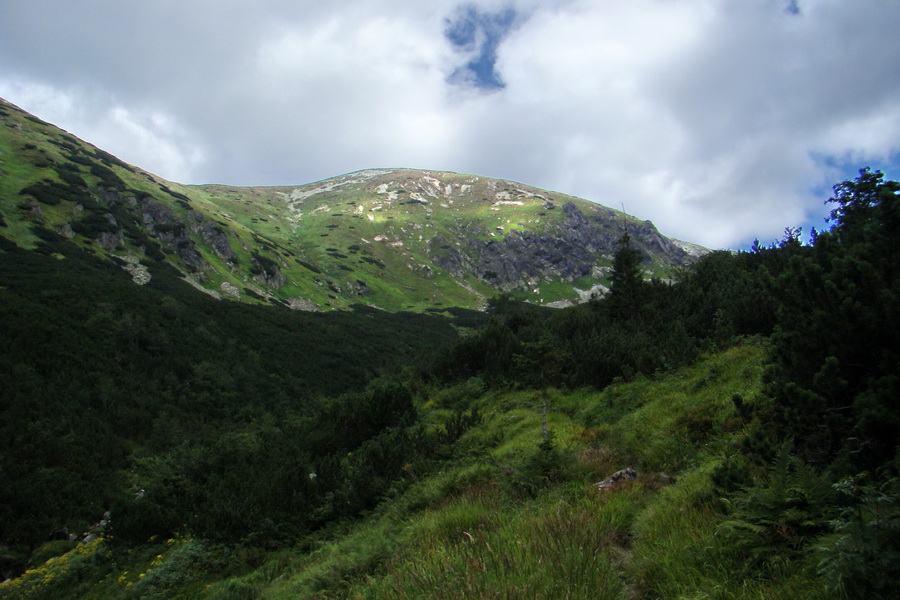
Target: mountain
{"x":734,"y":431}
{"x":398,"y":239}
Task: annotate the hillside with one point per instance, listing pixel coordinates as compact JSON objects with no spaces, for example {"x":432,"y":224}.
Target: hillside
{"x":733,"y":433}
{"x":397,"y":239}
{"x":497,"y":518}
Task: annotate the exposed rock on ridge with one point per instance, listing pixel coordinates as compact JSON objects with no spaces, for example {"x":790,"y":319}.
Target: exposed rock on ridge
{"x":568,"y":250}
{"x":399,"y":239}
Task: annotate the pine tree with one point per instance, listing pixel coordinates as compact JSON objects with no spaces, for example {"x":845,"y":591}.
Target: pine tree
{"x":626,"y":279}
{"x":834,"y":373}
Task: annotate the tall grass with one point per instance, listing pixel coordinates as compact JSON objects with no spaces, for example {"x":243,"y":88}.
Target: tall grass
{"x":546,"y":549}
{"x":464,"y":532}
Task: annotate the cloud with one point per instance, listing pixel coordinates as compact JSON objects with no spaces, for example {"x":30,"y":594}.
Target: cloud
{"x":153,"y":140}
{"x":720,"y":121}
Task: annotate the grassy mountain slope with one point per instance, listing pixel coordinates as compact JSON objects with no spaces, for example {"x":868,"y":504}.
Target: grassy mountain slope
{"x":504,"y":517}
{"x":393,"y":238}
{"x":755,"y":398}
{"x":97,"y":373}
{"x":157,"y":442}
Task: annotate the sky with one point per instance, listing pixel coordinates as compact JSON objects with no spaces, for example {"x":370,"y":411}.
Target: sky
{"x":722,"y":121}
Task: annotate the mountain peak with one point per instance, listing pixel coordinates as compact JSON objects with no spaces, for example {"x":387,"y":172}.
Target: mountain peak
{"x":395,"y":238}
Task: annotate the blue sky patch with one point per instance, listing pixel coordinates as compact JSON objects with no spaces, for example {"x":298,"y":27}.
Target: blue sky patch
{"x":477,"y":35}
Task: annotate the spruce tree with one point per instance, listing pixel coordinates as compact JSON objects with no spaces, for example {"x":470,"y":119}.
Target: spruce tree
{"x":626,"y":279}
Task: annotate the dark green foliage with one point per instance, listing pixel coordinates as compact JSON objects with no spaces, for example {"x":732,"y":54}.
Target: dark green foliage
{"x":835,"y":370}
{"x":861,"y":558}
{"x":264,"y":265}
{"x":108,"y":177}
{"x":80,"y":159}
{"x":732,"y":292}
{"x":92,"y":366}
{"x":347,"y":421}
{"x":109,"y":159}
{"x":92,"y":224}
{"x":731,"y":475}
{"x":373,"y":261}
{"x":175,"y":227}
{"x":49,"y":194}
{"x":54,"y":192}
{"x":71,"y":177}
{"x":546,"y":464}
{"x":458,"y":423}
{"x":258,"y":425}
{"x":743,"y":409}
{"x":153,"y":251}
{"x":626,"y":280}
{"x":786,"y":508}
{"x":70,"y":145}
{"x":486,"y":353}
{"x":177,"y":195}
{"x":589,"y":344}
{"x":833,"y":383}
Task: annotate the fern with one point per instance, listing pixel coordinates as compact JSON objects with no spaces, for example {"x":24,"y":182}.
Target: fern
{"x":861,"y":558}
{"x":781,"y":513}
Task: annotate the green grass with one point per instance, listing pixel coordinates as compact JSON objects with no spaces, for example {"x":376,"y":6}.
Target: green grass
{"x":472,"y":528}
{"x":462,"y":532}
{"x":266,"y":221}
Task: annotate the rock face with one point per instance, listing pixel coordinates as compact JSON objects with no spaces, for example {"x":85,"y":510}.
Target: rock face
{"x":213,"y":235}
{"x":568,"y":250}
{"x":399,"y":239}
{"x":163,"y":225}
{"x":266,"y":272}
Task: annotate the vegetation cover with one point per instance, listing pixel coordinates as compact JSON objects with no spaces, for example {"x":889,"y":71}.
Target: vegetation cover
{"x":255,"y":452}
{"x":398,"y":239}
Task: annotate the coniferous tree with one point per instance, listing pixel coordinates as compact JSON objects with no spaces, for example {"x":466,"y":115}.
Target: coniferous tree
{"x":626,"y":280}
{"x":834,"y":375}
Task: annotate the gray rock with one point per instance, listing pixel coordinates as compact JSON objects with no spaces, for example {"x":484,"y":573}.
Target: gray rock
{"x":212,"y":234}
{"x":569,"y":250}
{"x":173,"y":233}
{"x":616,"y":478}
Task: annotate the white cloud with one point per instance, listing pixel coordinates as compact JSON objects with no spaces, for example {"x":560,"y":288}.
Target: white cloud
{"x":151,"y":140}
{"x":715,"y":119}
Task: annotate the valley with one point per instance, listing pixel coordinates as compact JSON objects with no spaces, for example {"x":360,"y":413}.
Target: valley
{"x":399,"y":383}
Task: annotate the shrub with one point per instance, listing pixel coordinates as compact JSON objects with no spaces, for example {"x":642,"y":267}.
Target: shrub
{"x":861,"y":558}
{"x":780,"y":513}
{"x":107,"y":176}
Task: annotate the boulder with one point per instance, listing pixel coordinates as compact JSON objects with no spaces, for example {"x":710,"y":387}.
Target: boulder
{"x":616,"y":478}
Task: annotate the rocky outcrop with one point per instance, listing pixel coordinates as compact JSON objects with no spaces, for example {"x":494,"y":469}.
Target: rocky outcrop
{"x":110,"y":240}
{"x":212,"y":235}
{"x":266,"y":272}
{"x":568,"y":250}
{"x":139,"y":273}
{"x":230,"y":291}
{"x":616,"y":478}
{"x":303,"y":304}
{"x":174,"y":234}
